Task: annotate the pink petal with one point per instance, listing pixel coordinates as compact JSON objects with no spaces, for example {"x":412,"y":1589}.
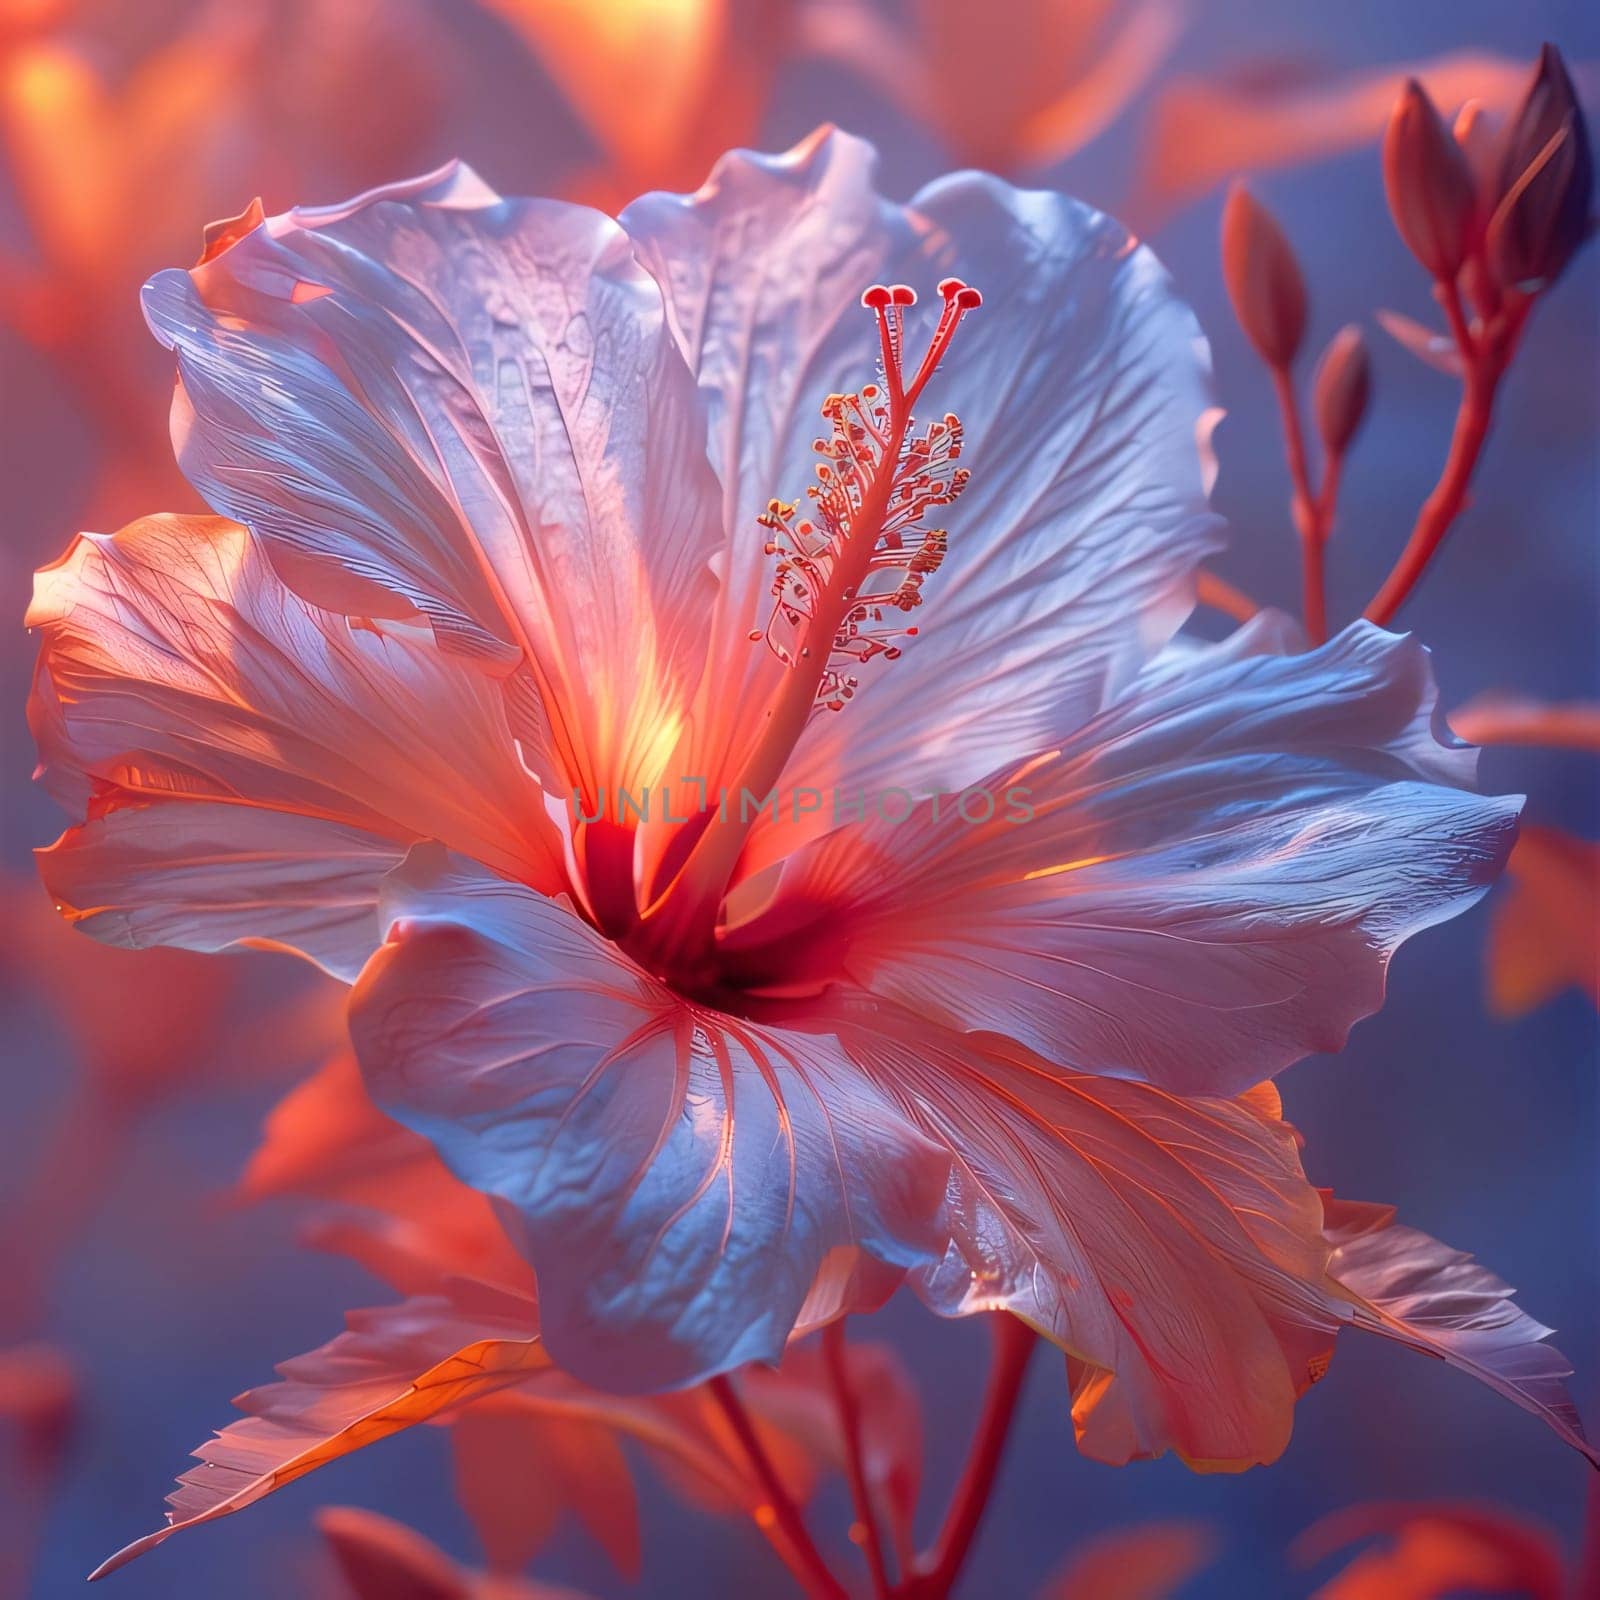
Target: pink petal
{"x":1172,"y":1246}
{"x":476,"y":417}
{"x":520,"y":1473}
{"x":252,"y":765}
{"x":208,"y":875}
{"x":679,"y":1177}
{"x":414,"y":1224}
{"x":1081,"y":382}
{"x":1209,"y":885}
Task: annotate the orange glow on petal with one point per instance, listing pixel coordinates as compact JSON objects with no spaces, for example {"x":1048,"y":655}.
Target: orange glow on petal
{"x":1065,"y":866}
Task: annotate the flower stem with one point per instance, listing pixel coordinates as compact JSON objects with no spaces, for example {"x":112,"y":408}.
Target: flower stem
{"x":1484,"y":363}
{"x":1493,"y":719}
{"x":1441,"y":508}
{"x":1307,"y":509}
{"x":802,"y":1557}
{"x":1014,"y":1342}
{"x":1222,"y":596}
{"x":834,"y":1356}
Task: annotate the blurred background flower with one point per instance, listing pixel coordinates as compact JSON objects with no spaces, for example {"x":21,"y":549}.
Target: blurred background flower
{"x":135,"y":1295}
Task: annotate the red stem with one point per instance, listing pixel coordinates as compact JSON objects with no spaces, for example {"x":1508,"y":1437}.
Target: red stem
{"x":1014,"y":1342}
{"x":803,"y":1559}
{"x":1484,"y":364}
{"x":1574,"y":726}
{"x":1328,"y":494}
{"x":1307,"y":510}
{"x":834,"y":1356}
{"x":1222,"y":596}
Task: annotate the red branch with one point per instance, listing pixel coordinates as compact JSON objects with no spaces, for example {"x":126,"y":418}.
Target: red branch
{"x":1484,"y":360}
{"x":1013,"y":1344}
{"x":800,"y":1553}
{"x":835,"y":1357}
{"x":1220,"y":595}
{"x":1307,"y":508}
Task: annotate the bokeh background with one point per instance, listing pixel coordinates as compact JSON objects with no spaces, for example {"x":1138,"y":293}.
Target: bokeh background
{"x":133,"y":1093}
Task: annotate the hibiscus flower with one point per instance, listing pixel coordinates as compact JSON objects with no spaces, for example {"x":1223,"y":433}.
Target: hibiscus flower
{"x":508,"y":614}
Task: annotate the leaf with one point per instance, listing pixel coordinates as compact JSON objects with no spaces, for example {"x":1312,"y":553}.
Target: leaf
{"x":326,"y":1140}
{"x":392,"y":1368}
{"x":518,"y":1472}
{"x":1203,"y":131}
{"x":383,"y":1560}
{"x":1439,"y":1301}
{"x":1545,"y":934}
{"x":1435,"y":1550}
{"x":1437,"y":350}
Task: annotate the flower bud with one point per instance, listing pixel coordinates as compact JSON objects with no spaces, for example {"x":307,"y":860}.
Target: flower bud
{"x":1428,"y":345}
{"x":1341,"y":389}
{"x":1430,"y":188}
{"x":1478,"y":133}
{"x":1537,"y":228}
{"x":1549,"y":101}
{"x":1546,"y":183}
{"x":1263,"y":278}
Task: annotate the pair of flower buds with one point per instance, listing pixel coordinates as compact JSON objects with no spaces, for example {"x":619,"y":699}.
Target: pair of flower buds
{"x":1512,"y":203}
{"x":1501,"y":209}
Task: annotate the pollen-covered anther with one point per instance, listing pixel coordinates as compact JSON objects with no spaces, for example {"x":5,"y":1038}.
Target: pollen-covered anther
{"x":858,"y":565}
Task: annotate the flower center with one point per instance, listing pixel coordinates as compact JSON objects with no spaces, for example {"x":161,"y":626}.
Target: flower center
{"x":848,"y":573}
